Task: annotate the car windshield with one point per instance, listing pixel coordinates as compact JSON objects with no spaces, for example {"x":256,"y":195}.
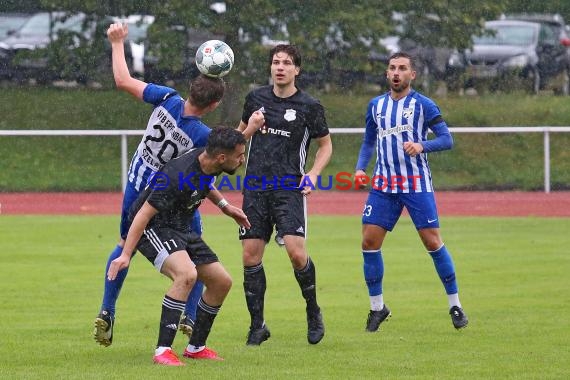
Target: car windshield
{"x":39,"y":24}
{"x":517,"y":35}
{"x":137,"y":31}
{"x":11,"y":22}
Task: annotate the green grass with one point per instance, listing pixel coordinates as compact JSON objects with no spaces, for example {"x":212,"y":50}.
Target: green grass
{"x":478,"y":161}
{"x":513,"y":277}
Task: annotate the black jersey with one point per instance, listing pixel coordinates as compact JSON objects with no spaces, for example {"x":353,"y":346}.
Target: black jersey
{"x":279,"y":149}
{"x":176,"y":192}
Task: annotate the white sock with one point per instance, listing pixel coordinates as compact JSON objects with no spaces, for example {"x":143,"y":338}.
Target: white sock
{"x":377,"y":302}
{"x":194,"y":349}
{"x":160,"y":350}
{"x":453,"y":300}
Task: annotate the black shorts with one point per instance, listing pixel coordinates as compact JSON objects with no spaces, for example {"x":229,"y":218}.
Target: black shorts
{"x":157,"y":244}
{"x":284,"y":209}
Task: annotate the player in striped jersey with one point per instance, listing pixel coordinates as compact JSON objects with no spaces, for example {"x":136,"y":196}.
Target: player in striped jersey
{"x":174,"y":127}
{"x":397,"y":125}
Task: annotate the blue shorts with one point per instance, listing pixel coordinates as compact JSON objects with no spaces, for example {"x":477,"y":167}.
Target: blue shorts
{"x":384,"y":209}
{"x":130,"y":196}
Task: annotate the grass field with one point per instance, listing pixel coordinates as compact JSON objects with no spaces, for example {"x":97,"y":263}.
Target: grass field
{"x":513,"y":277}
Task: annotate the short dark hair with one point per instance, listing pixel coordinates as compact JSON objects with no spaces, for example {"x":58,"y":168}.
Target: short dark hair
{"x":206,"y":90}
{"x":223,"y":139}
{"x":291,"y":50}
{"x":402,"y":54}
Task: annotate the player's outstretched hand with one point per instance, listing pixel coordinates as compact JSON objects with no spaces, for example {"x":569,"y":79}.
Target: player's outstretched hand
{"x":238,"y":215}
{"x":117,"y":32}
{"x":117,"y":265}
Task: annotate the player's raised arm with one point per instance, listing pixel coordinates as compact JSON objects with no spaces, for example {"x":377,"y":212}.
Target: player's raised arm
{"x":116,"y":34}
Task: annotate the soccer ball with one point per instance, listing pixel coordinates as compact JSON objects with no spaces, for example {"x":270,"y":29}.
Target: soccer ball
{"x":214,"y":58}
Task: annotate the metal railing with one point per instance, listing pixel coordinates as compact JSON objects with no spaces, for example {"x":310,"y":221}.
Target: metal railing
{"x":545,"y":130}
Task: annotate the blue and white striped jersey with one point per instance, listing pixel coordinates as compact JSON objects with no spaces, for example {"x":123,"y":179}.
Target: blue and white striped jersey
{"x":390,"y":123}
{"x":168,"y":134}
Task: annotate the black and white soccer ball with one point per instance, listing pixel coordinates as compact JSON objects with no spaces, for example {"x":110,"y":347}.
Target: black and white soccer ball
{"x":214,"y":58}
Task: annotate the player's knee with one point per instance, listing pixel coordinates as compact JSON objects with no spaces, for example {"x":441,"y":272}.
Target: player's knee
{"x":298,"y":258}
{"x":251,"y":258}
{"x":186,"y":278}
{"x":432,"y":243}
{"x":226,"y":283}
{"x":370,"y":243}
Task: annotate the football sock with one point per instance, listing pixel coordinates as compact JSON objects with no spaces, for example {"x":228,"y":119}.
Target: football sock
{"x":193,"y":298}
{"x":113,"y":288}
{"x":307,"y":282}
{"x":205,"y":315}
{"x":254,"y":284}
{"x":373,"y":275}
{"x":160,"y":350}
{"x":198,"y":289}
{"x":377,"y":302}
{"x":445,"y":269}
{"x":171,"y":311}
{"x":453,"y":300}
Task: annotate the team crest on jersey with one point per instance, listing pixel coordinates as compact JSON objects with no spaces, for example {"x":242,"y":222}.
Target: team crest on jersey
{"x":290,"y":115}
{"x":408,"y":113}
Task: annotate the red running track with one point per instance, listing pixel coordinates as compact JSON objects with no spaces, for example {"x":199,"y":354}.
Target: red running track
{"x":556,"y":204}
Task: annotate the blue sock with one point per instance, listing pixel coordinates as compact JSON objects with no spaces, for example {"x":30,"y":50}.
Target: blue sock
{"x":373,"y":271}
{"x":113,"y":288}
{"x":196,"y":292}
{"x":445,"y":269}
{"x":193,"y":298}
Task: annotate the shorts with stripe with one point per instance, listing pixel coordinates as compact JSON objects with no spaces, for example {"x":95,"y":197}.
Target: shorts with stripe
{"x":384,"y":209}
{"x":284,"y":209}
{"x":158,"y":243}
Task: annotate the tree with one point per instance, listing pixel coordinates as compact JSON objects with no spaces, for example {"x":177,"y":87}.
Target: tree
{"x":335,"y":36}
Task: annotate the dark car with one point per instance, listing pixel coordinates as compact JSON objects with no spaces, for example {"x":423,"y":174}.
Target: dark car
{"x":528,"y":51}
{"x":32,"y":51}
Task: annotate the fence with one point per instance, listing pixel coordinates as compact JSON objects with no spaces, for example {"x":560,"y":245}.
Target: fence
{"x":545,"y":130}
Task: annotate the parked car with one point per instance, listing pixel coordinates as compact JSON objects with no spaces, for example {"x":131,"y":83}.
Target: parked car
{"x":430,"y":61}
{"x":523,"y":50}
{"x":11,"y":22}
{"x":556,"y":21}
{"x":32,"y":51}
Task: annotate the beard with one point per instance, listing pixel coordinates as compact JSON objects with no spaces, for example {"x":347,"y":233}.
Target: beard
{"x":231,"y":171}
{"x":400,"y":87}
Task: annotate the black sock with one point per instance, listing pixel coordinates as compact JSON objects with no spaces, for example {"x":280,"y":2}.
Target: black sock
{"x":307,"y":282}
{"x":205,"y":315}
{"x":254,"y":285}
{"x":171,"y":311}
